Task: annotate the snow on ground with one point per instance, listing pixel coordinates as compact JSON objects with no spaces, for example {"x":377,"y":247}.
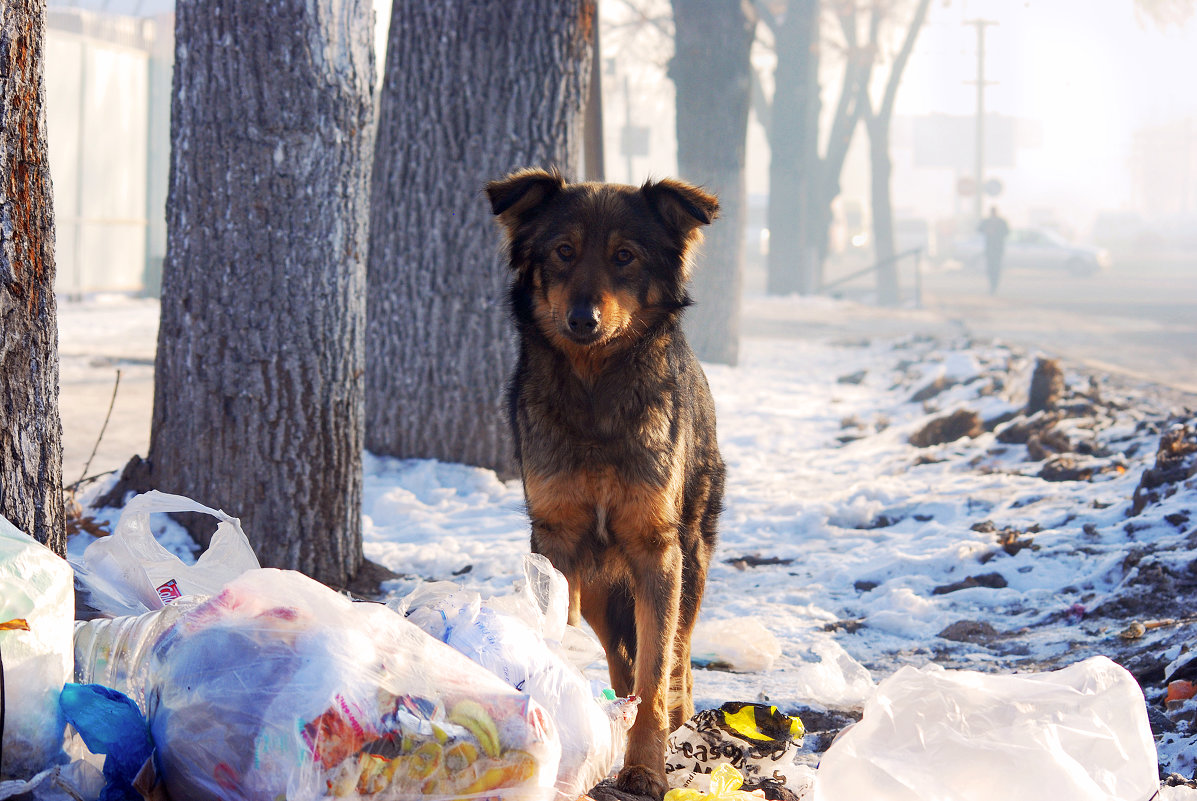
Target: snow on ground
{"x":871,"y":553}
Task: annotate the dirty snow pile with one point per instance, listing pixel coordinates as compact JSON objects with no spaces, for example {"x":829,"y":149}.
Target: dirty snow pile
{"x":1009,"y":541}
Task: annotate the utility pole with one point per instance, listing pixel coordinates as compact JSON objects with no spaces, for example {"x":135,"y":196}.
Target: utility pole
{"x":979,"y":156}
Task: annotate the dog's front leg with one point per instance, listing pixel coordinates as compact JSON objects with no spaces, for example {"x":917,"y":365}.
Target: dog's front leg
{"x":561,"y":514}
{"x":657,"y":576}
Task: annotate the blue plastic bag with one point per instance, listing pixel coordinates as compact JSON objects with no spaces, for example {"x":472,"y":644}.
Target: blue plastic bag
{"x":111,"y":724}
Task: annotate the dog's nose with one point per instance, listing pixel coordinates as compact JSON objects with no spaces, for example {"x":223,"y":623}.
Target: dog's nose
{"x":583,"y":318}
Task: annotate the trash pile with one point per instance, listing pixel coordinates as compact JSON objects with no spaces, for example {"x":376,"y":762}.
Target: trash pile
{"x":223,"y":680}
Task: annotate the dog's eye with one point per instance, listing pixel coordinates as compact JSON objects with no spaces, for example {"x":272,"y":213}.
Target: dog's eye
{"x":565,"y":252}
{"x":623,"y":257}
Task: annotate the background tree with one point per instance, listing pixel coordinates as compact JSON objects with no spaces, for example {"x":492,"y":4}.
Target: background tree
{"x":877,"y":120}
{"x":711,"y":72}
{"x":793,"y":131}
{"x":258,"y":379}
{"x":30,"y":426}
{"x":804,"y":179}
{"x":1166,"y":12}
{"x":472,"y":90}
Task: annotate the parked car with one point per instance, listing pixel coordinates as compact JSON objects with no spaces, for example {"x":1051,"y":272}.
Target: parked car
{"x":1037,"y":249}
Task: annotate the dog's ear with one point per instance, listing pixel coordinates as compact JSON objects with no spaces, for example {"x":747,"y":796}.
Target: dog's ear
{"x":682,"y":207}
{"x":523,"y":191}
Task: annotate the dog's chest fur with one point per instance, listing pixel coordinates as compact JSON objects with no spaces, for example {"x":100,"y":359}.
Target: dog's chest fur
{"x":623,"y":419}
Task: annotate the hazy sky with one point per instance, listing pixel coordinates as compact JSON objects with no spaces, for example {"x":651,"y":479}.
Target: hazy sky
{"x":1089,"y":71}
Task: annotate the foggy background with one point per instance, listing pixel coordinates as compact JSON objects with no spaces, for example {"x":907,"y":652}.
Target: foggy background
{"x":1090,"y":133}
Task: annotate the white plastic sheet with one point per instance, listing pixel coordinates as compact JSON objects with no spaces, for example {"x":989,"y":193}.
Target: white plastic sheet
{"x":740,"y":644}
{"x":1077,"y":734}
{"x":35,"y":587}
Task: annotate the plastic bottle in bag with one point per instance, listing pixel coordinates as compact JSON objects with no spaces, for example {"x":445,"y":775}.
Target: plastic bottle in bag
{"x":114,"y":651}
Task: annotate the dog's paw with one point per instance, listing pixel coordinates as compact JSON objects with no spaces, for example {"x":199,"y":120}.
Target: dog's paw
{"x":639,"y":780}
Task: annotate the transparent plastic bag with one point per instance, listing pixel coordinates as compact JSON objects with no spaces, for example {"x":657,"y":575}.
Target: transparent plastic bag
{"x":280,"y":687}
{"x":129,"y":572}
{"x":738,"y":644}
{"x":37,"y":610}
{"x":519,"y":638}
{"x":1077,"y":734}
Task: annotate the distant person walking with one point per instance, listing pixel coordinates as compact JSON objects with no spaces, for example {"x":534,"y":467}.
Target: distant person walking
{"x":995,"y":230}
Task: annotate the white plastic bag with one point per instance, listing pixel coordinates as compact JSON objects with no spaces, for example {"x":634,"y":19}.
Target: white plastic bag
{"x":37,"y":613}
{"x":129,"y":572}
{"x":1077,"y":734}
{"x":279,"y":687}
{"x":519,"y":638}
{"x":738,"y":644}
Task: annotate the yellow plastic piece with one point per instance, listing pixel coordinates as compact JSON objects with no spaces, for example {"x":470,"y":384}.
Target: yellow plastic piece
{"x":725,"y":786}
{"x":472,"y":716}
{"x":744,"y":723}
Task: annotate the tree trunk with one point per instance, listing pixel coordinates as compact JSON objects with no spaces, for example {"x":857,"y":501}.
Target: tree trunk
{"x":794,"y":146}
{"x":593,"y":157}
{"x":473,"y":89}
{"x":883,"y":214}
{"x":878,"y":124}
{"x":30,"y":426}
{"x":258,"y":379}
{"x":711,"y":72}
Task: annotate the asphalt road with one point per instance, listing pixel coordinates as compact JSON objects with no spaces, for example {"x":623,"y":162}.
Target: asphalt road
{"x":1136,"y":318}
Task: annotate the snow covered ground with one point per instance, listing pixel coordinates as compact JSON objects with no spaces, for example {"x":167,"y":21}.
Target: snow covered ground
{"x":858,"y":551}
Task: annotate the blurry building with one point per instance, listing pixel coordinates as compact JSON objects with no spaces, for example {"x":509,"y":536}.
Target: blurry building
{"x":107,"y":122}
{"x":1164,"y":169}
{"x":108,"y":95}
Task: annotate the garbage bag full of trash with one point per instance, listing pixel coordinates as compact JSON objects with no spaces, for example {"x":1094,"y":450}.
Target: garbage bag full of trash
{"x":518,"y":638}
{"x":280,"y":687}
{"x":1076,"y":734}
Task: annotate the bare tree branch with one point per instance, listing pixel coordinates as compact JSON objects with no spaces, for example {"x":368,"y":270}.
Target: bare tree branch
{"x":1166,"y":12}
{"x":765,"y":14}
{"x":658,"y":22}
{"x":886,"y":109}
{"x":857,"y":73}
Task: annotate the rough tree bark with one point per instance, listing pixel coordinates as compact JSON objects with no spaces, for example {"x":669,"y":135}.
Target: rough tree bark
{"x":30,"y":426}
{"x":259,"y":372}
{"x":712,"y":75}
{"x":473,"y":89}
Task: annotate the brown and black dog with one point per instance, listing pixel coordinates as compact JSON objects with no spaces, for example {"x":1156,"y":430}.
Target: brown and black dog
{"x":614,"y":426}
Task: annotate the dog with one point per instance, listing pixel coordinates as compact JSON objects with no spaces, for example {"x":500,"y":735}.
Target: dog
{"x":614,"y":426}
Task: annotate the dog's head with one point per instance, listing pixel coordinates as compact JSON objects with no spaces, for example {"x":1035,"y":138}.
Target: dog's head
{"x":599,"y":263}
